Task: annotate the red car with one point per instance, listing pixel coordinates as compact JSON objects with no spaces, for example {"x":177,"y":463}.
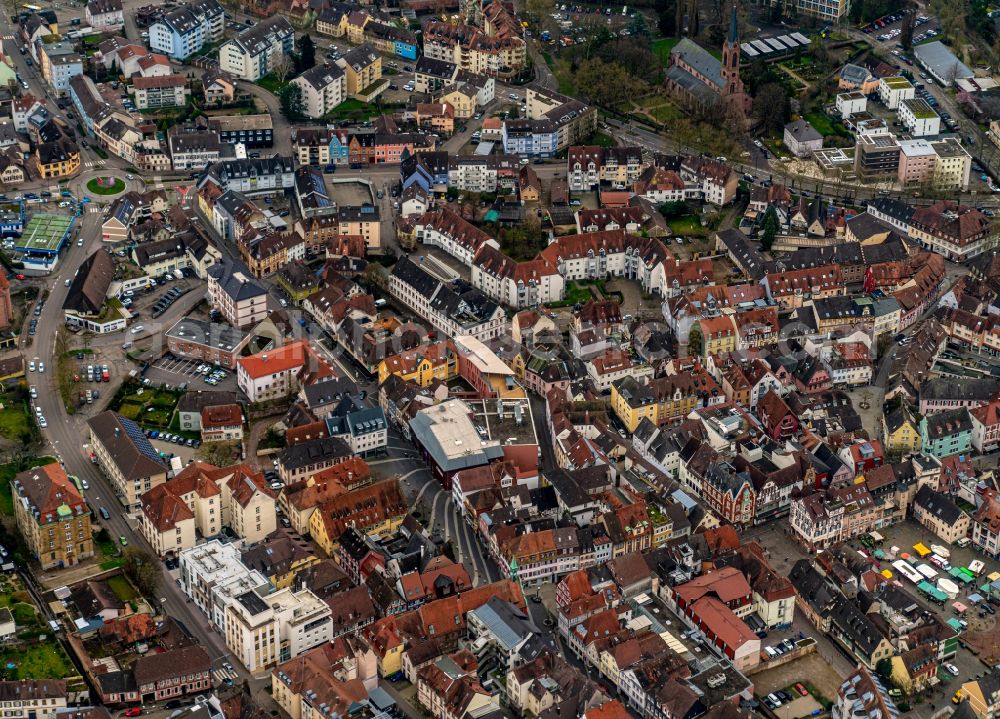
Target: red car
{"x":801,"y":689}
{"x":19,"y":277}
{"x":133,"y":711}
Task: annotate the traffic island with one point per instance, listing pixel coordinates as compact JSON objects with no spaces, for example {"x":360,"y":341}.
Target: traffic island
{"x":105,"y":185}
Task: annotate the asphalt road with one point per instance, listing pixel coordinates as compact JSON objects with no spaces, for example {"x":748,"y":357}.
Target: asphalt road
{"x":67,"y":437}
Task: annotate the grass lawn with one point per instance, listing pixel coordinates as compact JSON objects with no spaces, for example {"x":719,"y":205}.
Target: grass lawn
{"x":825,"y":126}
{"x":687,"y":225}
{"x":14,"y":420}
{"x":353,"y":109}
{"x":575,"y":293}
{"x":271,"y":84}
{"x":121,"y":587}
{"x":662,"y":48}
{"x":7,"y":472}
{"x":665,"y":113}
{"x":36,"y":661}
{"x":114,"y":189}
{"x":601,"y":139}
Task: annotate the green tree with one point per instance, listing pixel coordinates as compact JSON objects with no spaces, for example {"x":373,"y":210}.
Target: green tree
{"x":307,"y":53}
{"x":292,"y":105}
{"x":676,"y":208}
{"x":696,"y":343}
{"x":906,"y":31}
{"x":142,"y":569}
{"x":884,"y":668}
{"x":770,"y":229}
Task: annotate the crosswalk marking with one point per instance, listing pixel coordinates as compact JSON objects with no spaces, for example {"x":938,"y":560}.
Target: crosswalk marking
{"x":93,"y":209}
{"x":222,"y":674}
{"x":8,"y":37}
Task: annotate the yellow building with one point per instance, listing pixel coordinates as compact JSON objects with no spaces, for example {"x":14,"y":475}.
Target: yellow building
{"x":52,"y":517}
{"x":718,"y":334}
{"x":60,"y":158}
{"x":362,"y":68}
{"x":376,"y":510}
{"x":663,"y":399}
{"x":388,"y":647}
{"x":279,"y":559}
{"x":462,"y":100}
{"x":900,"y":434}
{"x":423,"y":365}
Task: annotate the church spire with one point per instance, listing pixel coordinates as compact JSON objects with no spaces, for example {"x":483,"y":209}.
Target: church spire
{"x":734,"y":35}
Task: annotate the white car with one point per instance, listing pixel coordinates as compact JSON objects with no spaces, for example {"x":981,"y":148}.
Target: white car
{"x":42,"y":423}
{"x":85,"y":483}
{"x":137,"y":329}
{"x":41,"y":366}
{"x":79,"y":243}
{"x":34,"y":392}
{"x":31,"y":365}
{"x":68,"y":282}
{"x":952,"y":669}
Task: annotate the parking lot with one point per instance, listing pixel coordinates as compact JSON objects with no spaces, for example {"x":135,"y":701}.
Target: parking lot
{"x":178,"y":370}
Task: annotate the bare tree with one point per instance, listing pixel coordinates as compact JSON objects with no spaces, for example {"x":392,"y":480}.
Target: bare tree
{"x":282,"y":68}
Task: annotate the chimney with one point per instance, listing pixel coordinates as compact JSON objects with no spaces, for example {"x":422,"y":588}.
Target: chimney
{"x":263,"y":358}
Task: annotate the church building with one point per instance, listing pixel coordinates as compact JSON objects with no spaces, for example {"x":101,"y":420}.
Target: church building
{"x":697,"y":80}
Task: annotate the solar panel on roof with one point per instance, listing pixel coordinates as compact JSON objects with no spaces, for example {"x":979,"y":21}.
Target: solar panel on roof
{"x":762,"y":46}
{"x":776,"y":44}
{"x":749,"y":49}
{"x":801,"y":38}
{"x":788,"y":40}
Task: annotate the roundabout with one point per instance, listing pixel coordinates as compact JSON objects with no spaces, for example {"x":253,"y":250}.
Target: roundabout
{"x":105,"y":185}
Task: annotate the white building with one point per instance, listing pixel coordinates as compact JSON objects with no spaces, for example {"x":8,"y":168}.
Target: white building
{"x":262,"y":630}
{"x":451,"y":309}
{"x":273,"y":374}
{"x":850,"y":103}
{"x":211,"y":573}
{"x":256,"y":52}
{"x":893,"y":90}
{"x":919,"y":118}
{"x":802,"y":139}
{"x":323,"y":88}
{"x":105,"y":15}
{"x":233,"y":291}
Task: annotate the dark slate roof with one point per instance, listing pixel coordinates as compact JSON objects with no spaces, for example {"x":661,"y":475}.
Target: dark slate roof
{"x":90,"y":285}
{"x":236,"y":280}
{"x":938,"y":505}
{"x":412,"y":275}
{"x":948,"y":423}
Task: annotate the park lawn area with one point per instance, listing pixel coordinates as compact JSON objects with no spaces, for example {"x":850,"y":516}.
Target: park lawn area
{"x":14,"y":420}
{"x":37,"y":661}
{"x":7,"y":472}
{"x":662,"y":48}
{"x":121,"y":587}
{"x":665,"y":113}
{"x":686,"y":226}
{"x":152,"y":407}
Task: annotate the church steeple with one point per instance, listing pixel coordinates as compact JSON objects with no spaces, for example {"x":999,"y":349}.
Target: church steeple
{"x":731,"y":58}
